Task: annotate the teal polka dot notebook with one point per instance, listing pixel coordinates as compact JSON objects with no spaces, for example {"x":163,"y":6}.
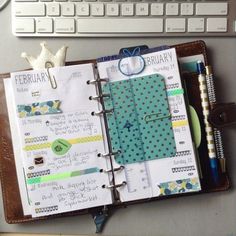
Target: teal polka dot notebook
{"x":140,"y":126}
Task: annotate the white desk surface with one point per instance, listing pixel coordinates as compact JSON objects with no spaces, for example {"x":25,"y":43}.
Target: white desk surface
{"x":206,"y":214}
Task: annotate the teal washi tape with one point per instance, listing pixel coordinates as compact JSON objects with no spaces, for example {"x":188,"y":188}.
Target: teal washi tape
{"x":40,"y":108}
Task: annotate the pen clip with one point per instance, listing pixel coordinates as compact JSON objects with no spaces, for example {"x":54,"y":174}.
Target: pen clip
{"x":223,"y":115}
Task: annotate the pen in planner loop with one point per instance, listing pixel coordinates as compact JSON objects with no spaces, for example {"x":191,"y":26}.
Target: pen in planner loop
{"x":209,"y":131}
{"x":217,"y":133}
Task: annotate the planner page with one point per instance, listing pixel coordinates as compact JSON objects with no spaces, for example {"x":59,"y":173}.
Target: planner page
{"x":60,"y":140}
{"x":149,"y":126}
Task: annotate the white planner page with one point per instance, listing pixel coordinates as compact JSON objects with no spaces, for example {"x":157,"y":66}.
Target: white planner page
{"x":60,"y":140}
{"x":164,"y":176}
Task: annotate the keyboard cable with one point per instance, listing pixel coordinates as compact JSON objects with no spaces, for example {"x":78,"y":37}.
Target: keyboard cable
{"x":4,"y":4}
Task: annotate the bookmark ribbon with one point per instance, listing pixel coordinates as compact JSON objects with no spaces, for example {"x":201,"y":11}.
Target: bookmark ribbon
{"x":40,"y":108}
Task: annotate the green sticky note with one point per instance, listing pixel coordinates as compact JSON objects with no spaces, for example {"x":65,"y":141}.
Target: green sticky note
{"x":195,"y":126}
{"x":60,"y":146}
{"x":140,"y":126}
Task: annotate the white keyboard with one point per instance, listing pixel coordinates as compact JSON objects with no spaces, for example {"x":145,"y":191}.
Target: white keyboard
{"x":82,"y":18}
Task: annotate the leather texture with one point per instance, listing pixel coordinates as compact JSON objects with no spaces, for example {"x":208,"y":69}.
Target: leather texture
{"x":10,"y":191}
{"x":223,"y":115}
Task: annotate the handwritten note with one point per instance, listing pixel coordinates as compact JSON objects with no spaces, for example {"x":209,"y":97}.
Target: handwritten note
{"x":62,"y":169}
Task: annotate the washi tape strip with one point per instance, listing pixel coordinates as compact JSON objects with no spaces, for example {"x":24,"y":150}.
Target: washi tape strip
{"x":40,"y":108}
{"x":179,"y":123}
{"x":179,"y":186}
{"x":86,"y":139}
{"x":183,"y":153}
{"x":175,"y":92}
{"x":46,"y":209}
{"x":61,"y":176}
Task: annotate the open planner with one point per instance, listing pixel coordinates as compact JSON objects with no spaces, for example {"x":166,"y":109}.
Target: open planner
{"x":102,"y":133}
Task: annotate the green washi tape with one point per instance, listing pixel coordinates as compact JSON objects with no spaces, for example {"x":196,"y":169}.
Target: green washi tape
{"x":60,"y":146}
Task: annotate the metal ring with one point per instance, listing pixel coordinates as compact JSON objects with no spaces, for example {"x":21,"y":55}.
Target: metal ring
{"x":108,"y":154}
{"x":94,"y":81}
{"x":114,"y":169}
{"x":99,"y":96}
{"x":115,"y":186}
{"x":94,"y":113}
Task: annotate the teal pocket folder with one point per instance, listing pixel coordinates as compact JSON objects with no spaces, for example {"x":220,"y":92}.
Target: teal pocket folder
{"x":140,"y":126}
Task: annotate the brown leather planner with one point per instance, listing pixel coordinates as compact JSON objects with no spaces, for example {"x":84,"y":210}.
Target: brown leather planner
{"x":10,"y":190}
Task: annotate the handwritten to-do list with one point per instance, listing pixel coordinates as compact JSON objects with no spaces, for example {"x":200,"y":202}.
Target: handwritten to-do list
{"x":60,"y":140}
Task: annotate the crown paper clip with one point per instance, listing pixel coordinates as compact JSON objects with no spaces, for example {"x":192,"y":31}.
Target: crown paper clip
{"x":47,"y":60}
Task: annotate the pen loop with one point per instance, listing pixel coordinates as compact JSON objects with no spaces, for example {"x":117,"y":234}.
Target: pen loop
{"x":52,"y":79}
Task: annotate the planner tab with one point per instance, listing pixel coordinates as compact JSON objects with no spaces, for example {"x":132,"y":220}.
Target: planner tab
{"x":142,"y":48}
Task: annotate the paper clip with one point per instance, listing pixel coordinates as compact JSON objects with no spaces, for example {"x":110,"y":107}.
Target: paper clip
{"x":52,"y":79}
{"x":155,"y":116}
{"x":139,"y":61}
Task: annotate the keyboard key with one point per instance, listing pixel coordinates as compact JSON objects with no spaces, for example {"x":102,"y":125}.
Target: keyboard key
{"x":174,"y":25}
{"x":29,"y":9}
{"x":186,"y":9}
{"x":217,"y":25}
{"x":127,"y":9}
{"x":53,"y":9}
{"x":131,"y":25}
{"x":64,"y":25}
{"x":181,"y":17}
{"x":172,"y":9}
{"x":157,"y":9}
{"x":82,"y":9}
{"x":97,"y":9}
{"x":196,"y":25}
{"x":112,"y":9}
{"x":22,"y":25}
{"x":142,"y":9}
{"x":26,"y":0}
{"x":68,"y":9}
{"x":211,"y":9}
{"x":44,"y":25}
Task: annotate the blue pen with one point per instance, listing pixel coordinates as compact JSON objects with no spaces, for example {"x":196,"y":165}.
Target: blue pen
{"x":209,"y":131}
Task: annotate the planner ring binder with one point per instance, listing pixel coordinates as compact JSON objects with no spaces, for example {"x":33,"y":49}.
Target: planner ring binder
{"x":96,"y":81}
{"x":97,"y":113}
{"x":115,"y":185}
{"x":108,"y":154}
{"x":99,"y":96}
{"x":114,"y":169}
